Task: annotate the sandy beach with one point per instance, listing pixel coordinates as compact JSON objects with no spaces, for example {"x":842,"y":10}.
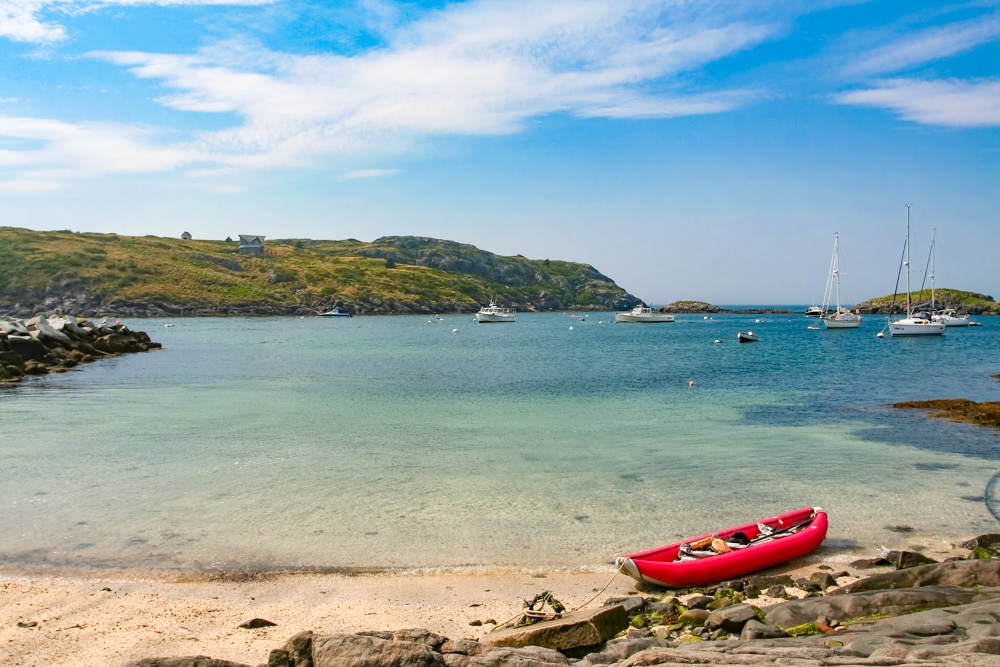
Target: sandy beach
{"x":95,"y":619}
{"x":108,"y":620}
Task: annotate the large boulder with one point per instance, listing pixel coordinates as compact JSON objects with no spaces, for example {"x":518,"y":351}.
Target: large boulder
{"x":580,"y":629}
{"x":948,"y":573}
{"x":27,"y":347}
{"x":349,"y":650}
{"x":889,"y":602}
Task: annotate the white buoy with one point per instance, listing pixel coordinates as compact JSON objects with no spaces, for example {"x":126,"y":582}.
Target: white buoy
{"x":879,"y":335}
{"x":454,"y":330}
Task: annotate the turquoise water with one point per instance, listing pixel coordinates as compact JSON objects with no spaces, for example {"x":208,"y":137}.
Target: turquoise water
{"x":557,"y":441}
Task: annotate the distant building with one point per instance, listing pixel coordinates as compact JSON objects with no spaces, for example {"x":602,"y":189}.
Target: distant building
{"x":251,"y":245}
{"x":186,"y":236}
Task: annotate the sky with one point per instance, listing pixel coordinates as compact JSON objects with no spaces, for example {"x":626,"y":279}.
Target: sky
{"x":704,"y":150}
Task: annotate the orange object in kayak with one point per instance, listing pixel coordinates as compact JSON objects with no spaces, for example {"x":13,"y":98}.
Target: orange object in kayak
{"x":752,"y":547}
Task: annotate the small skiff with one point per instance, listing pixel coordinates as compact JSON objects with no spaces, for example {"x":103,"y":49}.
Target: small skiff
{"x":730,"y":553}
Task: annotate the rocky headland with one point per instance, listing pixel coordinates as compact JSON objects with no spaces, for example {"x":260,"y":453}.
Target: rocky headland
{"x":53,"y":343}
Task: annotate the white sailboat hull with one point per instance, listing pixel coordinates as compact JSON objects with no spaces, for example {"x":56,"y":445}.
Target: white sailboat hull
{"x":844,"y":323}
{"x":915,"y":327}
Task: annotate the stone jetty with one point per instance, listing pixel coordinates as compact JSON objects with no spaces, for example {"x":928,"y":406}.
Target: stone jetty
{"x":932,"y":613}
{"x":54,"y":342}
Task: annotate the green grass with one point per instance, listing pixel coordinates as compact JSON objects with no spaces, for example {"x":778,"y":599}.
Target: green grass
{"x":405,"y":271}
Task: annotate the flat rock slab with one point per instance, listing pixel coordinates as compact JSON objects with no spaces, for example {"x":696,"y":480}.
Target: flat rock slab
{"x":579,"y":629}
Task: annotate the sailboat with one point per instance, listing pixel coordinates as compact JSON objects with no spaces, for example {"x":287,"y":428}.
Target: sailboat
{"x":915,"y":323}
{"x":946,"y":316}
{"x":841,"y":318}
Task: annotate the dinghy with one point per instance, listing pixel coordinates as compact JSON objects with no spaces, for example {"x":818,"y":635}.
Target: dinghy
{"x":730,"y":553}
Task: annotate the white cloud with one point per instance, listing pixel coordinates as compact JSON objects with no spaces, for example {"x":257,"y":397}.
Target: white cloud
{"x":482,"y":68}
{"x":37,"y":21}
{"x":928,"y":45}
{"x":477,"y":68}
{"x":368,"y":173}
{"x":946,"y":102}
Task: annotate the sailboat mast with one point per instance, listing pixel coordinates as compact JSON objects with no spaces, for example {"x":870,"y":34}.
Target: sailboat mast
{"x":933,"y":257}
{"x":836,"y":266}
{"x":907,"y":262}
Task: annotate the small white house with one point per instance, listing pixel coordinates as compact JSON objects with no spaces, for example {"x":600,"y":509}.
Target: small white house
{"x":251,"y":245}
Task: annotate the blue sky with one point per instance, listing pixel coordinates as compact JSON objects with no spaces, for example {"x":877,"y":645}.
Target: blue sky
{"x":688,"y":150}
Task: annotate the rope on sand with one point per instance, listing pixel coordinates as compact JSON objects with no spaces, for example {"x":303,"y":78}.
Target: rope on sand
{"x":534,"y":615}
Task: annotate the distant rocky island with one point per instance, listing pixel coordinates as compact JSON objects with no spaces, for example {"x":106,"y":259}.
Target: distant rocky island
{"x":965,"y":302}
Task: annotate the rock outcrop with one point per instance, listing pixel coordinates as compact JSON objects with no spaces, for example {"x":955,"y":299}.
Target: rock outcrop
{"x":936,"y":614}
{"x":55,"y":343}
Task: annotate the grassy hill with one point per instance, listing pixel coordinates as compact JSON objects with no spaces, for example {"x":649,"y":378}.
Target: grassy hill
{"x":108,"y":274}
{"x":963,"y":302}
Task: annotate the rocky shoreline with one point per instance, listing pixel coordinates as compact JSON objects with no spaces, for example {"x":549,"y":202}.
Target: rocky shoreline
{"x":55,"y":343}
{"x":916,"y":611}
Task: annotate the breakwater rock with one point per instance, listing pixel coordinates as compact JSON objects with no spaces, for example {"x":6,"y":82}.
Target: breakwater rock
{"x":944,"y":613}
{"x":54,"y":343}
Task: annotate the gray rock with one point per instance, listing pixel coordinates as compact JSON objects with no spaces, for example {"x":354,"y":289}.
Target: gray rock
{"x":731,"y":619}
{"x":907,"y":559}
{"x":754,"y":629}
{"x":189,"y":661}
{"x":299,"y":650}
{"x":576,"y":630}
{"x":869,"y":603}
{"x":27,"y":347}
{"x":949,"y":573}
{"x":346,"y":650}
{"x":696,"y":617}
{"x":700,"y":601}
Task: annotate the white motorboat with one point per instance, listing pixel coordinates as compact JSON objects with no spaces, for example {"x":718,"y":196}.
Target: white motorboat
{"x":814,"y":311}
{"x":335,"y":312}
{"x":643,"y":313}
{"x":495,"y":313}
{"x":841,"y":318}
{"x":950,"y":318}
{"x":916,"y":323}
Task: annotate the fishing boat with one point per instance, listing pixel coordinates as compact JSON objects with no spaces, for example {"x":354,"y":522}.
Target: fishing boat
{"x":643,"y":313}
{"x":916,"y":323}
{"x":840,"y":318}
{"x":495,"y":313}
{"x":335,"y":312}
{"x":746,"y":337}
{"x":814,"y":311}
{"x":730,"y":553}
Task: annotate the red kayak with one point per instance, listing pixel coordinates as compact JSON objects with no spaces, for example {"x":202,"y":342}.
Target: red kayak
{"x":731,"y":553}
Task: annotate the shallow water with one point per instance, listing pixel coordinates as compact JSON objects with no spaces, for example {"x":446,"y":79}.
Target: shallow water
{"x":557,"y":441}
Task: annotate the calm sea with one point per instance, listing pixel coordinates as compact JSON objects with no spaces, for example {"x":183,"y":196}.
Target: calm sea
{"x":559,"y":441}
